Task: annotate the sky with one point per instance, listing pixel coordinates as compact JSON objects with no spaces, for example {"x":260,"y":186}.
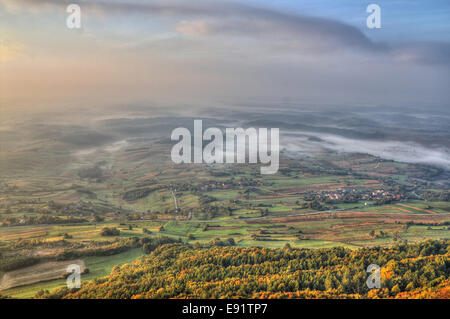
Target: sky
{"x":216,"y":52}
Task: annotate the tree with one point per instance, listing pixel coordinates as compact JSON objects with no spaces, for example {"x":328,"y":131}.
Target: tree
{"x":110,"y":232}
{"x":98,"y":218}
{"x":396,"y":289}
{"x":67,"y":236}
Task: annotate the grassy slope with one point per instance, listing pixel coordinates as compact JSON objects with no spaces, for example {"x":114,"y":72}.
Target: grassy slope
{"x":98,"y":267}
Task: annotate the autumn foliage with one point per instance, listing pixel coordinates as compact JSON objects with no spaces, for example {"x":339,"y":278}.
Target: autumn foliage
{"x":180,"y":271}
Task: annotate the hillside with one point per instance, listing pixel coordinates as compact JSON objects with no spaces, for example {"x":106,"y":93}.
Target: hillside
{"x":181,"y":271}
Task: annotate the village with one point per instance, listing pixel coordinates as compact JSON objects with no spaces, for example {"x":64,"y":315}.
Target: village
{"x":345,"y":195}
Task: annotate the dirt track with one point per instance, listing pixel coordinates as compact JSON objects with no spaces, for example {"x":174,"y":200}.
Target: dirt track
{"x":37,"y":273}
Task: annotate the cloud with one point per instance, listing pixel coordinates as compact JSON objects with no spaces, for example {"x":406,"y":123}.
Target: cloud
{"x":208,"y":51}
{"x":401,"y":151}
{"x":423,"y":52}
{"x":229,"y":18}
{"x":195,"y":28}
{"x":305,"y":34}
{"x":287,"y":31}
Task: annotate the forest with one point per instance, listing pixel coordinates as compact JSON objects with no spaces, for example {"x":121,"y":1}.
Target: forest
{"x":179,"y":270}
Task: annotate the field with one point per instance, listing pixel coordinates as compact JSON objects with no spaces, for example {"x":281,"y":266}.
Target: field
{"x":41,"y":272}
{"x":98,"y":267}
{"x":58,"y":212}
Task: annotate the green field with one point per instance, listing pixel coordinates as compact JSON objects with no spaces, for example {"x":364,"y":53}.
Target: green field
{"x":98,"y":267}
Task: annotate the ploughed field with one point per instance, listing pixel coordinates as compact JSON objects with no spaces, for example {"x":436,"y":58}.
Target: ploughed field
{"x":38,"y":273}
